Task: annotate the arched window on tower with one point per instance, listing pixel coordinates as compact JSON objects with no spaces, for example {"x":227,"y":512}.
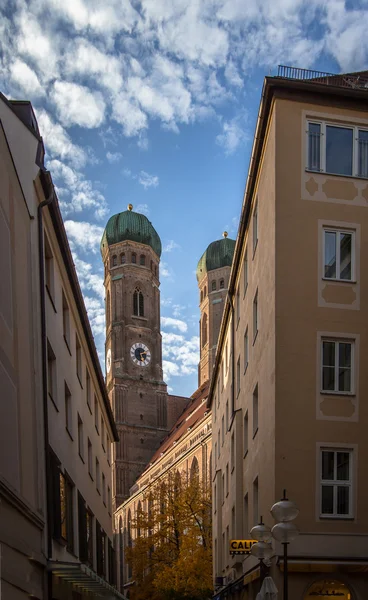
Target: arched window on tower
{"x":134,"y":257}
{"x":194,"y":470}
{"x":213,"y":286}
{"x":205,"y":291}
{"x":138,"y":303}
{"x":122,"y":258}
{"x":114,"y":260}
{"x":108,"y":312}
{"x":201,"y":296}
{"x":139,"y":518}
{"x":222,"y":284}
{"x":142,"y":260}
{"x":204,"y":329}
{"x":156,"y":270}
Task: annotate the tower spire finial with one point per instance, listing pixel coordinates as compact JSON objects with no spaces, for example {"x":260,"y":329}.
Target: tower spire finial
{"x":225,"y":234}
{"x":130,"y":206}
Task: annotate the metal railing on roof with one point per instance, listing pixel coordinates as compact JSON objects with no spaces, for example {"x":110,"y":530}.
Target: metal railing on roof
{"x":358,"y":81}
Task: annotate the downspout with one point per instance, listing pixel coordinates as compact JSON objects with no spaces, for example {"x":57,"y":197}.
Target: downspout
{"x":47,"y":202}
{"x":232,"y":346}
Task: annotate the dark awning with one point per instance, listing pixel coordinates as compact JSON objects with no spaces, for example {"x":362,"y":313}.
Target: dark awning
{"x":82,"y":578}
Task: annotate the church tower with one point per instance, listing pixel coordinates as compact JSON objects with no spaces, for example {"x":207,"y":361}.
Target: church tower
{"x":213,"y":273}
{"x":131,"y":250}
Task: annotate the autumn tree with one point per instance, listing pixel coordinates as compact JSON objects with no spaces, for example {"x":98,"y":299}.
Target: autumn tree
{"x":171,"y":550}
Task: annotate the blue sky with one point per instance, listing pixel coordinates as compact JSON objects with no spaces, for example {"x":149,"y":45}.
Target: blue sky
{"x":155,"y":103}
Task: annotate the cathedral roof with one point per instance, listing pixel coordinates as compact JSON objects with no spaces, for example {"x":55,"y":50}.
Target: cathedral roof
{"x":132,"y":226}
{"x":218,"y":254}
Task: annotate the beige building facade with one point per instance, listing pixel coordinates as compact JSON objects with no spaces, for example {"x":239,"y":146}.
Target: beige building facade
{"x":288,"y":388}
{"x":57,"y":427}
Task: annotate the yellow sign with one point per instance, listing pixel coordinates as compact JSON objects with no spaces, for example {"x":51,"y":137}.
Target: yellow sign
{"x":241,"y":546}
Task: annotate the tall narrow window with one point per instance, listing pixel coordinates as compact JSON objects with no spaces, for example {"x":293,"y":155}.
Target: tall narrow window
{"x":103,"y":489}
{"x":108,"y":309}
{"x":88,"y":390}
{"x":66,"y":320}
{"x":213,"y":286}
{"x":245,"y":269}
{"x":255,"y":410}
{"x":237,"y":307}
{"x":246,"y":349}
{"x":363,"y":153}
{"x":97,"y":471}
{"x":238,"y":377}
{"x":66,"y":510}
{"x":122,"y":258}
{"x":218,"y":444}
{"x":223,"y":488}
{"x":227,"y":415}
{"x":232,"y":453}
{"x":233,"y":528}
{"x":68,"y":410}
{"x":142,"y":260}
{"x":78,"y":356}
{"x":108,"y":448}
{"x":245,"y":434}
{"x":222,"y":284}
{"x":339,"y":150}
{"x":227,"y":479}
{"x":255,"y":502}
{"x":336,"y":483}
{"x":255,"y":316}
{"x":49,"y":267}
{"x":138,"y":303}
{"x":246,"y":518}
{"x":314,"y":146}
{"x":114,"y":260}
{"x":204,"y":329}
{"x":337,"y":363}
{"x":103,"y":432}
{"x":96,"y":415}
{"x":255,"y":226}
{"x":222,"y":430}
{"x":109,"y":500}
{"x":134,"y":257}
{"x":51,"y":373}
{"x":226,"y":356}
{"x":80,"y":438}
{"x":338,"y":254}
{"x":90,"y":459}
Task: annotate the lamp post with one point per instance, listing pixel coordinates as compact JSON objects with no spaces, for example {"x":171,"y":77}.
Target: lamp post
{"x":262,"y":549}
{"x":285,"y":531}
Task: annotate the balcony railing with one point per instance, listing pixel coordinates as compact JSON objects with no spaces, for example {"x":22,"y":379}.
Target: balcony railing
{"x":358,"y":81}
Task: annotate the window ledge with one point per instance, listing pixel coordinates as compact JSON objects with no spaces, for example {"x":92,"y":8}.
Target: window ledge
{"x":51,"y":298}
{"x":336,"y":518}
{"x":335,"y":174}
{"x":139,"y":318}
{"x":331,"y":280}
{"x":335,"y":393}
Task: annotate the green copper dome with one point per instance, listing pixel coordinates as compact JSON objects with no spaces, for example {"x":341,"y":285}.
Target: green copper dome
{"x":133,"y":226}
{"x":218,"y":254}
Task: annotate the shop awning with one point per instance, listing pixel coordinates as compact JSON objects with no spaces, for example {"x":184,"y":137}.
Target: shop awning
{"x":84,"y":579}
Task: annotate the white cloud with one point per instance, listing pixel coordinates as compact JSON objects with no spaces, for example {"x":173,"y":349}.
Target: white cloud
{"x":27,"y":79}
{"x":85,"y":236}
{"x":114,"y":157}
{"x":96,"y":315}
{"x":78,"y":105}
{"x":232,"y":136}
{"x":180,"y":355}
{"x":88,"y":279}
{"x":148,"y":180}
{"x":174,"y":323}
{"x":142,"y":208}
{"x":126,"y":112}
{"x":57,"y":141}
{"x":232,"y":74}
{"x":165,"y":270}
{"x":170,"y":246}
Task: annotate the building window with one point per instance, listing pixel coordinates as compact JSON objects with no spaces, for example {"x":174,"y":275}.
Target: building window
{"x":109,"y":507}
{"x":85,"y":524}
{"x":338,"y":254}
{"x":68,"y":410}
{"x":246,"y":517}
{"x":227,"y":415}
{"x":222,"y":430}
{"x":255,"y":502}
{"x":336,"y":483}
{"x":88,"y":390}
{"x":142,"y":260}
{"x":222,"y":374}
{"x":204,"y":329}
{"x":66,"y":321}
{"x":138,"y":303}
{"x":337,"y":361}
{"x":238,"y":377}
{"x":122,"y":258}
{"x":100,"y":550}
{"x":245,"y":269}
{"x":134,"y":258}
{"x":78,"y":354}
{"x":246,"y":349}
{"x":213,"y":286}
{"x":90,"y":459}
{"x":227,"y":479}
{"x":96,"y":416}
{"x":201,"y":297}
{"x":245,"y":434}
{"x":97,"y":471}
{"x":237,"y":307}
{"x":51,"y":374}
{"x":338,"y":150}
{"x":223,"y":488}
{"x":80,"y":438}
{"x":232,"y":453}
{"x":49,"y":267}
{"x":233,"y":529}
{"x":222,"y":284}
{"x":108,"y":310}
{"x":255,"y":410}
{"x":226,"y":357}
{"x":103,"y":489}
{"x":255,"y":316}
{"x":66,"y":511}
{"x":205,"y":291}
{"x":114,"y":260}
{"x":218,"y":444}
{"x":102,"y":432}
{"x":255,"y":226}
{"x":108,"y":448}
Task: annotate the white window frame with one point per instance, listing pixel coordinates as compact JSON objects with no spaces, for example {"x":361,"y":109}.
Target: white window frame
{"x":336,"y":482}
{"x":336,"y":390}
{"x":352,"y":232}
{"x":323,"y":137}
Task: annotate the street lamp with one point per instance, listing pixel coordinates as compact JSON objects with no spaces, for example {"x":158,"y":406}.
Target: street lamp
{"x":285,"y":531}
{"x":262,"y":549}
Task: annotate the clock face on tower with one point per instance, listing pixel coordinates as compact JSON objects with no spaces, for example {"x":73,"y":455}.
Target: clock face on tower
{"x":108,"y":360}
{"x":140,"y":354}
